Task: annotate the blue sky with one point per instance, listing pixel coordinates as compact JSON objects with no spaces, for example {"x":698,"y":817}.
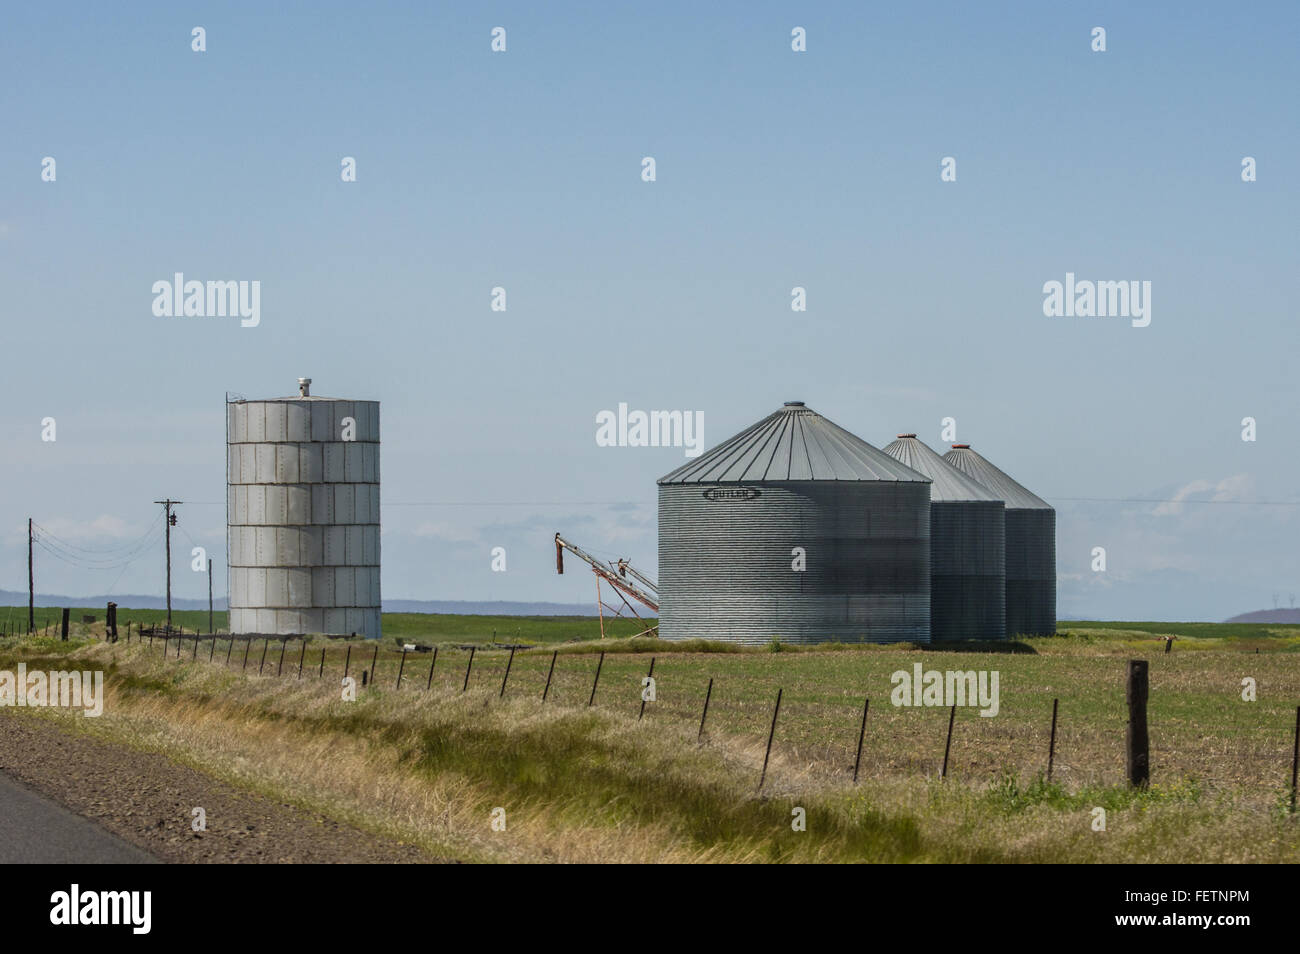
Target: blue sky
{"x":775,"y":169}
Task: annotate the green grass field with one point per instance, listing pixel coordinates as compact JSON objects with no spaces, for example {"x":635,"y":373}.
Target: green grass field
{"x":422,"y":627}
{"x":598,"y":781}
{"x":431,"y":629}
{"x":14,"y":618}
{"x":1245,"y":637}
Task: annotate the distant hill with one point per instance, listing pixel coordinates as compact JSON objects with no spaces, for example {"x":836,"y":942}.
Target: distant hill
{"x":488,"y":608}
{"x":1287,"y":616}
{"x":125,"y":600}
{"x":445,"y":607}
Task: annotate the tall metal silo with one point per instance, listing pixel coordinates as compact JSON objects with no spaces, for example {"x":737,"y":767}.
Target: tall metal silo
{"x":1031,"y":546}
{"x":303,"y":515}
{"x":794,"y":529}
{"x":968,"y":574}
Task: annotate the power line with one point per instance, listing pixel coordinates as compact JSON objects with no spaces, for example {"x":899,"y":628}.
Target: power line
{"x":111,"y":549}
{"x":83,"y":564}
{"x":648,"y":503}
{"x":56,"y":547}
{"x":114,"y":560}
{"x":111,"y":559}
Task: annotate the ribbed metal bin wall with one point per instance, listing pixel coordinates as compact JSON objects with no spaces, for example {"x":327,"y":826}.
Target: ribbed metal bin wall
{"x":1031,"y":572}
{"x":967,"y":548}
{"x":1030,"y":546}
{"x":729,"y":521}
{"x":303,"y":516}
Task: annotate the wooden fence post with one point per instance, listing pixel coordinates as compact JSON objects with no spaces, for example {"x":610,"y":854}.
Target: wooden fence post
{"x":644,"y":689}
{"x":401,"y":668}
{"x":429,"y":685}
{"x":1295,"y":757}
{"x":468,"y":666}
{"x":947,"y":746}
{"x":550,"y":672}
{"x":509,"y":663}
{"x":1051,"y":745}
{"x":862,"y":732}
{"x":708,"y":694}
{"x":1138,"y":739}
{"x":771,"y":734}
{"x":595,"y":682}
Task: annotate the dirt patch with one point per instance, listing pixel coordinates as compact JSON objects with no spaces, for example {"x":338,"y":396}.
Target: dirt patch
{"x":148,"y":800}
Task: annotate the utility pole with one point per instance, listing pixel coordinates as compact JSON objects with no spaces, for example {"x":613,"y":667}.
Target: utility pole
{"x":170,"y":522}
{"x":31,"y":583}
{"x":210,"y":630}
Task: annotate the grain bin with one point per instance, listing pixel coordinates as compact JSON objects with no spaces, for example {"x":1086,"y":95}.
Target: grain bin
{"x":794,"y":529}
{"x":967,"y":548}
{"x":1031,"y":546}
{"x":303,"y":515}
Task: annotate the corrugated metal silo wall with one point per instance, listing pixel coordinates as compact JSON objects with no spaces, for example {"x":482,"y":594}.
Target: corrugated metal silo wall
{"x":1031,"y":572}
{"x":304,"y":517}
{"x":967,"y":570}
{"x":725,"y":561}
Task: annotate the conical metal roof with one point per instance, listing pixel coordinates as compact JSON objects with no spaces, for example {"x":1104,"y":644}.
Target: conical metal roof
{"x":794,"y":443}
{"x":947,"y":483}
{"x":973,"y":465}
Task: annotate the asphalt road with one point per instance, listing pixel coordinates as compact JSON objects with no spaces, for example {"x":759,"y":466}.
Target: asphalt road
{"x":36,"y":830}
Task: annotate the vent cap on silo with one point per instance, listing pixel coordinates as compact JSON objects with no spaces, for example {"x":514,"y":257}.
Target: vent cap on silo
{"x":947,"y":483}
{"x":1016,"y":496}
{"x":304,"y":387}
{"x":793,"y":443}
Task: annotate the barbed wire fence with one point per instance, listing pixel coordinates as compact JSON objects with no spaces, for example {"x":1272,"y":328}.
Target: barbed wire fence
{"x":819,"y":727}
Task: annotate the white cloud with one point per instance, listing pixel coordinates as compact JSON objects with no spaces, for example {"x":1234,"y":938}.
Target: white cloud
{"x":105,"y":526}
{"x":1236,"y":487}
{"x":445,"y":530}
